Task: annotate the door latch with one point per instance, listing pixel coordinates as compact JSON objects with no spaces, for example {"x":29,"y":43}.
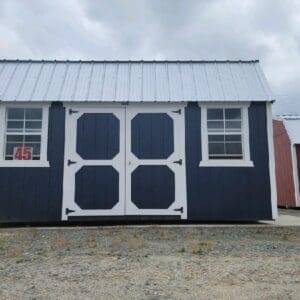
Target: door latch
{"x":179,"y":209}
{"x":178,"y":161}
{"x":71,"y":162}
{"x":177,"y":111}
{"x":69,"y":211}
{"x":71,"y":111}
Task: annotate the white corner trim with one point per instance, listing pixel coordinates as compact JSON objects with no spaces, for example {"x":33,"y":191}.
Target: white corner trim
{"x":43,"y":162}
{"x":246,"y":161}
{"x":271,"y":161}
{"x":226,"y":163}
{"x":295,"y":175}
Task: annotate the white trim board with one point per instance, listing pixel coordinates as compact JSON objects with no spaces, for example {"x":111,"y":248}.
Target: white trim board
{"x":271,"y":160}
{"x":295,"y":174}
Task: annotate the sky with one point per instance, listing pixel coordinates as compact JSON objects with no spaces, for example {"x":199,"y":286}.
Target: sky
{"x":268,"y":30}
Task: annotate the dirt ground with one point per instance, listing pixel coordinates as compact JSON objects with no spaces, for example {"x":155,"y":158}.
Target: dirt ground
{"x":150,"y":262}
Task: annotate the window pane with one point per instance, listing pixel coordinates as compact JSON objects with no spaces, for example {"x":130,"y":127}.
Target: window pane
{"x":215,"y":125}
{"x":32,"y":138}
{"x":215,"y":114}
{"x":233,"y":148}
{"x":216,"y":138}
{"x":33,"y":113}
{"x":33,"y":126}
{"x":36,"y":147}
{"x":15,"y":125}
{"x":233,"y":113}
{"x":15,"y":113}
{"x":216,"y":148}
{"x":233,"y":125}
{"x":14,"y":138}
{"x":9,"y":150}
{"x":233,"y":138}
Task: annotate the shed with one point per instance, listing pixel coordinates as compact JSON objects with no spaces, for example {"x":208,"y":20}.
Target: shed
{"x":142,"y":140}
{"x":287,"y":157}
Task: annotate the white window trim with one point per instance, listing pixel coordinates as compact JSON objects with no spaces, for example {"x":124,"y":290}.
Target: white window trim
{"x":206,"y":162}
{"x":43,"y":162}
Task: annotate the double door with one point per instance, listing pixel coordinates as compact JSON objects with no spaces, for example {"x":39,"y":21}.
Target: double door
{"x":124,"y":160}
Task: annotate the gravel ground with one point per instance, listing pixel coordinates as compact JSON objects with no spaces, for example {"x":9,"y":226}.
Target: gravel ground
{"x":150,"y":262}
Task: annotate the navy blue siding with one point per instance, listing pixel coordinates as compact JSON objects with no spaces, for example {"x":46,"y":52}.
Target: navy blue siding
{"x":153,"y":187}
{"x":228,"y":193}
{"x":97,"y":187}
{"x":98,"y":136}
{"x":152,"y":136}
{"x":34,"y":194}
{"x":214,"y":193}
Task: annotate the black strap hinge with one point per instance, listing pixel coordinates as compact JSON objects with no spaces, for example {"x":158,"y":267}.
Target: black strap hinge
{"x":69,"y":211}
{"x":177,"y":111}
{"x":71,"y":111}
{"x":71,"y":162}
{"x":178,"y":161}
{"x":179,"y":209}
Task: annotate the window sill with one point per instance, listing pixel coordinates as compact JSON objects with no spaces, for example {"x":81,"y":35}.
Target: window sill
{"x":226,"y":163}
{"x":24,"y":164}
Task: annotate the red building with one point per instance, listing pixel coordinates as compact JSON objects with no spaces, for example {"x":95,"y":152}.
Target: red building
{"x":287,"y":158}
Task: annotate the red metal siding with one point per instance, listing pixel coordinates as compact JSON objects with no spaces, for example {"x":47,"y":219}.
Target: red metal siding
{"x":284,"y":166}
{"x":298,"y":162}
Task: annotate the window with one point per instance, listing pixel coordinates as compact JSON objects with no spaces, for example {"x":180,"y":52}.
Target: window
{"x":24,"y":136}
{"x":224,"y":127}
{"x":225,"y":138}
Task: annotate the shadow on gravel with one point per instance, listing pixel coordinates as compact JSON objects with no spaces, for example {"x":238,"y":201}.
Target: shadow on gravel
{"x":123,"y":223}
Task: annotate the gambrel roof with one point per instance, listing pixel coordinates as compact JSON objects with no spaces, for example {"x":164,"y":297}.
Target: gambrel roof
{"x":45,"y":80}
{"x":292,"y":125}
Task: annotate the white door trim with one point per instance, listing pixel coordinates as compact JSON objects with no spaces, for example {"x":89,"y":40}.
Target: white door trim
{"x":132,"y":162}
{"x":70,"y":170}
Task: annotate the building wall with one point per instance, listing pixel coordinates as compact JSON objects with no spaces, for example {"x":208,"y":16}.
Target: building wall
{"x":35,"y":194}
{"x":213,"y":193}
{"x":229,"y":193}
{"x":284,"y":166}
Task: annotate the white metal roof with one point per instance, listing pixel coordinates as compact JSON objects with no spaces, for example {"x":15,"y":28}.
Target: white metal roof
{"x":26,"y":80}
{"x":292,"y":125}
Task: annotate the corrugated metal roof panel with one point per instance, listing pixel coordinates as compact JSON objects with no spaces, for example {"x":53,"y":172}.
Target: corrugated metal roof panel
{"x":292,"y":125}
{"x":149,"y":91}
{"x":132,"y":81}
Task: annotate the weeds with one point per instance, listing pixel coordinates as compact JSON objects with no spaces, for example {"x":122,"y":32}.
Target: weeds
{"x":182,"y":250}
{"x":165,"y":234}
{"x":135,"y":243}
{"x":201,"y":247}
{"x":58,"y":243}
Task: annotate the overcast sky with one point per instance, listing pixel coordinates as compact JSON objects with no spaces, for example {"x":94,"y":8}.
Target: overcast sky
{"x":161,"y":29}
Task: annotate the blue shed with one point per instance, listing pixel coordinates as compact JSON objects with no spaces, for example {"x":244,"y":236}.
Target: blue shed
{"x":92,"y":140}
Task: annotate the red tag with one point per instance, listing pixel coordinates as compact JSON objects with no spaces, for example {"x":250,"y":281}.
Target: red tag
{"x":23,"y":153}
